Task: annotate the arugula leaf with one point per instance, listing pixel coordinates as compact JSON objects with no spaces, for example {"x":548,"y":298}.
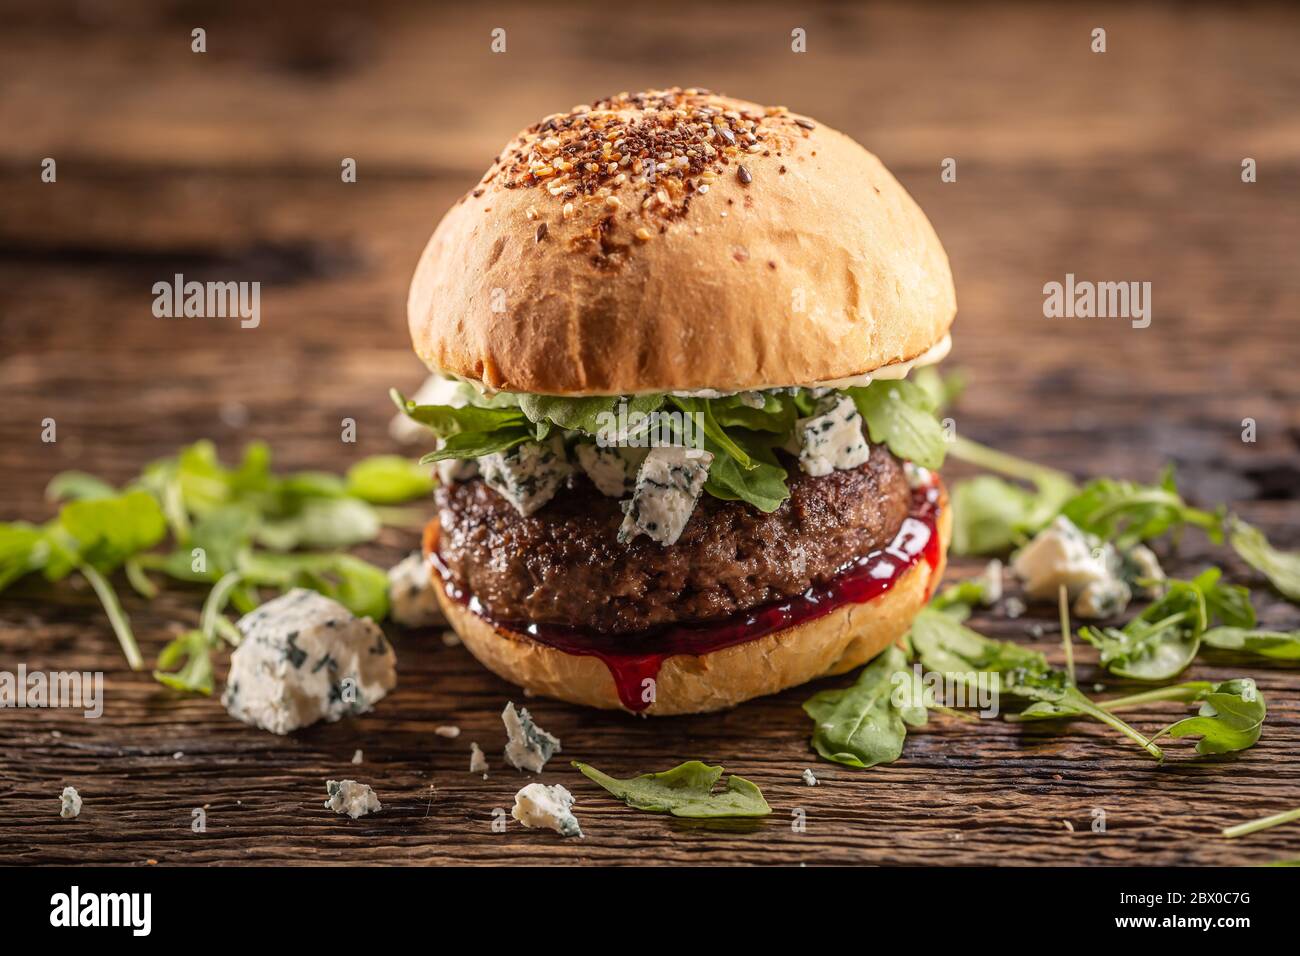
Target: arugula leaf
{"x":388,"y":480}
{"x":1189,"y":691}
{"x":684,"y":791}
{"x":192,"y":651}
{"x":447,"y":420}
{"x":321,"y":523}
{"x":77,"y":485}
{"x":1125,"y":512}
{"x":24,"y":548}
{"x":1279,"y":645}
{"x":356,"y":584}
{"x":1157,"y":644}
{"x":945,"y":645}
{"x":477,"y":444}
{"x":901,"y":415}
{"x":991,"y":515}
{"x":1282,"y":568}
{"x":775,"y":415}
{"x":862,"y":725}
{"x":1231,"y":718}
{"x":1161,"y":641}
{"x":942,"y":390}
{"x":579,"y":413}
{"x":713,"y":431}
{"x":984,"y":589}
{"x":762,"y":486}
{"x":107,"y":531}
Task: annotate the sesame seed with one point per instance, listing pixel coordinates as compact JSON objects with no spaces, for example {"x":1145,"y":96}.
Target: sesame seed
{"x":568,"y":210}
{"x":613,"y":202}
{"x":806,"y":124}
{"x":644,"y":234}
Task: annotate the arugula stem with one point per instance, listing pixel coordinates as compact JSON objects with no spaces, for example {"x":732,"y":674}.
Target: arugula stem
{"x":1189,"y":691}
{"x":173,"y":506}
{"x":139,"y":580}
{"x":116,"y":616}
{"x":1264,"y":823}
{"x":1063,"y":597}
{"x":984,"y":457}
{"x":216,"y":602}
{"x":1092,"y":710}
{"x":230,"y":632}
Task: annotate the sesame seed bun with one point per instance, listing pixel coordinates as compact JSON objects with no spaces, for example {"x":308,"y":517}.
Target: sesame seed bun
{"x":837,"y":642}
{"x":800,"y":262}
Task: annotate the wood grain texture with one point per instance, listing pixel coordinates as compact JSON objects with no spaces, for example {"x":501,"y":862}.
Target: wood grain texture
{"x":1119,"y":166}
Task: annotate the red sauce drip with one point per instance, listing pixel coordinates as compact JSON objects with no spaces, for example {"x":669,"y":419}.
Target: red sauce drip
{"x":631,"y":661}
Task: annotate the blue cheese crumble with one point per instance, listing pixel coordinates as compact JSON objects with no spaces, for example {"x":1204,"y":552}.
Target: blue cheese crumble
{"x":612,"y":470}
{"x":537,"y":805}
{"x":667,"y":486}
{"x":528,"y":747}
{"x":306,"y":658}
{"x":1090,"y":570}
{"x":69,"y":803}
{"x":410,"y":593}
{"x":832,"y":438}
{"x":527,"y":475}
{"x":354,"y":799}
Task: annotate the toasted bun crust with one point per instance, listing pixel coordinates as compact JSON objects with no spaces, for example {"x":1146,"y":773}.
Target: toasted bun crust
{"x":552,"y":276}
{"x":687,"y":684}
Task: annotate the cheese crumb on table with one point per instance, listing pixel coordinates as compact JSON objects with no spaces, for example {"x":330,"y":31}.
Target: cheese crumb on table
{"x":538,"y":805}
{"x":354,"y":799}
{"x":306,"y":658}
{"x":528,"y":747}
{"x":70,"y":803}
{"x":477,"y":761}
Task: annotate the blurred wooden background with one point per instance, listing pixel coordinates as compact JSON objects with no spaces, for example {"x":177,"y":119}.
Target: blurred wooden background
{"x":1117,"y":166}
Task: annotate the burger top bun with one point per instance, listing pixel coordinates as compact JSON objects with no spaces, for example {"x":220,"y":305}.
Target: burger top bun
{"x":677,"y":240}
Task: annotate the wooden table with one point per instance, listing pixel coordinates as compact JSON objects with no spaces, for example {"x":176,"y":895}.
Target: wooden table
{"x":1115,"y":166}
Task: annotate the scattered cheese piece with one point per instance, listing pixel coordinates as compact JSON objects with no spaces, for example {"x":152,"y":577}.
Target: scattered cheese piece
{"x":537,"y":805}
{"x":528,"y":747}
{"x":354,"y":799}
{"x":306,"y":658}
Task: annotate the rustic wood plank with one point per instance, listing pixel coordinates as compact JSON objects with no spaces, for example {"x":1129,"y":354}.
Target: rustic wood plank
{"x":1119,"y":167}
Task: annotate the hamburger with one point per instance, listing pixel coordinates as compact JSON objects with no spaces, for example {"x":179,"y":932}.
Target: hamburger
{"x":682,"y":465}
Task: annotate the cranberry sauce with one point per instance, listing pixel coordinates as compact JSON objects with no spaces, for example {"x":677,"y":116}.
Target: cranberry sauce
{"x":634,"y":658}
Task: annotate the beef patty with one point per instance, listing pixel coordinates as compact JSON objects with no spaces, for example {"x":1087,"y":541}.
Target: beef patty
{"x":565,"y":565}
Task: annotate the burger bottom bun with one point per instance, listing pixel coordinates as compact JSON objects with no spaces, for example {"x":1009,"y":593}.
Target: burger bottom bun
{"x":846,"y":638}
